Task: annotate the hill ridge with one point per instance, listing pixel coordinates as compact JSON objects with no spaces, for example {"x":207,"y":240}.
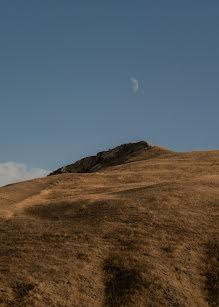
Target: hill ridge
{"x":103,"y":159}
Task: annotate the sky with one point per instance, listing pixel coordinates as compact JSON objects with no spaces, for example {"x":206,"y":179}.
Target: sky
{"x":79,"y":77}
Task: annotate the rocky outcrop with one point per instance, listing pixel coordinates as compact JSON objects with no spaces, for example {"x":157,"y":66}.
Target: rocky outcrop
{"x":115,"y":156}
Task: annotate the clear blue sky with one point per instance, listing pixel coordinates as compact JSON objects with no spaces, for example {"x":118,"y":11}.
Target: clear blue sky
{"x":66,"y":69}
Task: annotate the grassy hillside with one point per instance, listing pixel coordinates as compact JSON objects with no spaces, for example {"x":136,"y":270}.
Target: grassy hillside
{"x":144,"y":233}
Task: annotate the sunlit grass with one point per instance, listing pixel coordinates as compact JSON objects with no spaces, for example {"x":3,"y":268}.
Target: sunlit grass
{"x":139,"y":234}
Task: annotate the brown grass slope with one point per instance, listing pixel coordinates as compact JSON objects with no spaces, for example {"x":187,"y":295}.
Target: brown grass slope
{"x":143,"y":233}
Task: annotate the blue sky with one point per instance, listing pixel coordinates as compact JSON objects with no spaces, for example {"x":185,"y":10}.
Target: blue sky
{"x":67,"y":70}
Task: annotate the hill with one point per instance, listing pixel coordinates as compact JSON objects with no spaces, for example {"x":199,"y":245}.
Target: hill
{"x":140,"y":232}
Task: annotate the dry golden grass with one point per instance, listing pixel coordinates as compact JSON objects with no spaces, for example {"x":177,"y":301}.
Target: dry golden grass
{"x":144,"y":233}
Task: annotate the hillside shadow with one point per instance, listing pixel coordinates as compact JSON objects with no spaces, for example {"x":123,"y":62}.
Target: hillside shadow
{"x":212,"y":273}
{"x":122,"y":282}
{"x":78,"y":211}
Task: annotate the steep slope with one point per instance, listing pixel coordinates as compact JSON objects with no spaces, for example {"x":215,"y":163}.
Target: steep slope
{"x":141,"y":233}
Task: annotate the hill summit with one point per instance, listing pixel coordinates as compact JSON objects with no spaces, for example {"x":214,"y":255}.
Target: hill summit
{"x":111,"y":157}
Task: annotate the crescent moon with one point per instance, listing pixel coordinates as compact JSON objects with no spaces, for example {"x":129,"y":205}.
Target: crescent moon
{"x":134,"y":84}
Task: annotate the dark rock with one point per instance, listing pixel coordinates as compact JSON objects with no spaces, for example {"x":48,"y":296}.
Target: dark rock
{"x":115,"y":156}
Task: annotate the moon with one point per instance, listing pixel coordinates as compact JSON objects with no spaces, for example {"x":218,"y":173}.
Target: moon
{"x":134,"y":84}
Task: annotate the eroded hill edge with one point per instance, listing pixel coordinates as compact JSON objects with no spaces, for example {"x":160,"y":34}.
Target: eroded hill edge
{"x":104,"y":159}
